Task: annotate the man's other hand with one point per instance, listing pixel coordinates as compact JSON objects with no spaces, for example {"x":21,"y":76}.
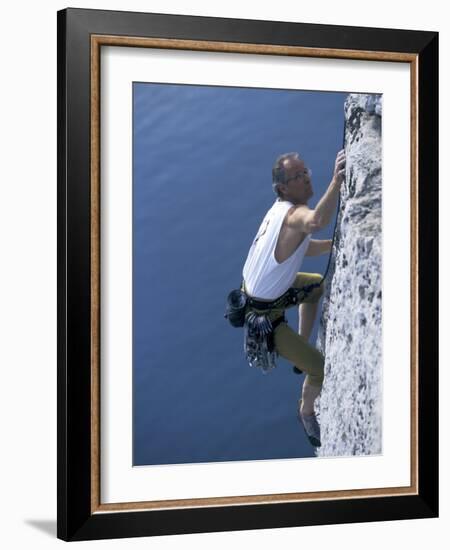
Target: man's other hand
{"x":339,"y":168}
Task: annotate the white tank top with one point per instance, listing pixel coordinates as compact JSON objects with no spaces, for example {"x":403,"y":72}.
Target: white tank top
{"x":264,"y":277}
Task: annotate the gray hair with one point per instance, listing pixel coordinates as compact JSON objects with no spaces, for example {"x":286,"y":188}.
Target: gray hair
{"x":279,"y":170}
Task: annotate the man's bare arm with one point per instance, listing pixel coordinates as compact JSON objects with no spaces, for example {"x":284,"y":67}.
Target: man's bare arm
{"x":309,"y":221}
{"x":317,"y":247}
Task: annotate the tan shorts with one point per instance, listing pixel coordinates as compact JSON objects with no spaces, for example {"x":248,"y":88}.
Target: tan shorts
{"x":293,"y":346}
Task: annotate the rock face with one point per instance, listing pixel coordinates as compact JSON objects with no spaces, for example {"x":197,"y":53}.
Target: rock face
{"x":350,"y":333}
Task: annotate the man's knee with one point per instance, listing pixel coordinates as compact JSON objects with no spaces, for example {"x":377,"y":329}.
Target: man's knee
{"x":312,"y":296}
{"x":303,"y":279}
{"x":315,"y":285}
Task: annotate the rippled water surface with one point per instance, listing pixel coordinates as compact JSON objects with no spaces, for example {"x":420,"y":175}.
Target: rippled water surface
{"x":202,"y":159}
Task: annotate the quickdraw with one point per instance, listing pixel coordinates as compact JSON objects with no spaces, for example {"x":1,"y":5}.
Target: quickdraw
{"x":259,"y":347}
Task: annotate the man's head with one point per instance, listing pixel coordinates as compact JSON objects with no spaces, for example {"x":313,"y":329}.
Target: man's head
{"x":291,"y":180}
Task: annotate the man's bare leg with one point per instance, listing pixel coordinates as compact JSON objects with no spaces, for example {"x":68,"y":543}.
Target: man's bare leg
{"x":307,"y":316}
{"x":309,"y":395}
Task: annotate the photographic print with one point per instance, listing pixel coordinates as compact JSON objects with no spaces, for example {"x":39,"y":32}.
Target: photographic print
{"x":257,"y":274}
{"x":240,"y":281}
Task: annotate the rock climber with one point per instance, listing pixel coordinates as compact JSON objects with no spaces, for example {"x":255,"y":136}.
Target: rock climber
{"x":273,"y":265}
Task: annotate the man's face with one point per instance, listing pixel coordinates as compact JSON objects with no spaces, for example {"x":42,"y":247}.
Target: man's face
{"x":298,"y":188}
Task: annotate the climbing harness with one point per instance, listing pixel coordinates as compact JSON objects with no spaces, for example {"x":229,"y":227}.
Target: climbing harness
{"x":259,"y":345}
{"x":238,"y":300}
{"x":245,"y":311}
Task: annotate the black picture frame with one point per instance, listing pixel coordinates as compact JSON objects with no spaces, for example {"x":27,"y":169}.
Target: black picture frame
{"x":78,"y":516}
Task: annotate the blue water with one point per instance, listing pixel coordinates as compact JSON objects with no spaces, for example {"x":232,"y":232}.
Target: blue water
{"x":202,"y":160}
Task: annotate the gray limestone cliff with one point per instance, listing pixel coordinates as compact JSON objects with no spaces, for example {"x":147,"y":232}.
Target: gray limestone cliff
{"x":350,"y":332}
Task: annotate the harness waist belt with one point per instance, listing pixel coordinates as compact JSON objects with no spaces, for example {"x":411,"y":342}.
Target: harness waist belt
{"x":287,"y":298}
{"x":290,"y":297}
